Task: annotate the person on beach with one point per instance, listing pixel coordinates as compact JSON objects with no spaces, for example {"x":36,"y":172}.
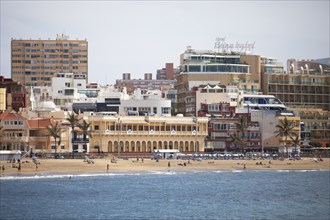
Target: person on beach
{"x":244,"y":166}
{"x":36,"y":167}
{"x":19,"y":167}
{"x":107,"y":168}
{"x":169,"y":165}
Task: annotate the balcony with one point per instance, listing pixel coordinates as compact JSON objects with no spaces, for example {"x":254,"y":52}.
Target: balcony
{"x":41,"y":139}
{"x":24,"y":139}
{"x":80,"y":140}
{"x":309,"y":128}
{"x":151,"y":132}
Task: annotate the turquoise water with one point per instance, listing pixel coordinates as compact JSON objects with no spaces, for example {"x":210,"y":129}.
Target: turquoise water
{"x":169,"y":195}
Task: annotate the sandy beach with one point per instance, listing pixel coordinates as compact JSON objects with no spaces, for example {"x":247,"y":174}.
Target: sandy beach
{"x":70,"y":166}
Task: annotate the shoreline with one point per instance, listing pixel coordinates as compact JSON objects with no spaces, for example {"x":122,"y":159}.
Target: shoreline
{"x":53,"y":167}
{"x":16,"y":176}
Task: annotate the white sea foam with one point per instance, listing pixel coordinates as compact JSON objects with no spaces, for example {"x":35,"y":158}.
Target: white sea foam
{"x":167,"y":172}
{"x":283,"y":171}
{"x":64,"y":176}
{"x":152,"y":172}
{"x":237,"y":171}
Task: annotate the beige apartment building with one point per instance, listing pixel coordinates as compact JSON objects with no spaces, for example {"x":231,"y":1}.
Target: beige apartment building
{"x":305,"y":87}
{"x":22,"y":133}
{"x":315,"y":126}
{"x":35,"y":62}
{"x":3,"y":99}
{"x":299,"y":89}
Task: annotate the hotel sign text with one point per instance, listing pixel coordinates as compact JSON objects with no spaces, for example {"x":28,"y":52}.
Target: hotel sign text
{"x":223,"y":46}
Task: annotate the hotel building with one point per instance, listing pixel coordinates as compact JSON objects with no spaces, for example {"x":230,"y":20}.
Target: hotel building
{"x":208,"y":67}
{"x":35,"y":62}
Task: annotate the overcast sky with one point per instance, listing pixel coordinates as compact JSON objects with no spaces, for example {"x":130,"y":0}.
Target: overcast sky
{"x":140,"y":37}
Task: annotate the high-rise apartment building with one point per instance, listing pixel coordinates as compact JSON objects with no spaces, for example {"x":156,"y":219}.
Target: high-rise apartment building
{"x":35,"y":62}
{"x":168,"y":72}
{"x":148,"y":83}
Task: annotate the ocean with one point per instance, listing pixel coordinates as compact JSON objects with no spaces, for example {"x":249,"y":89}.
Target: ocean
{"x":280,"y":194}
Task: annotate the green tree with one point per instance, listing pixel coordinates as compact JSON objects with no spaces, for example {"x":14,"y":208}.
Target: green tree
{"x":55,"y":130}
{"x":85,"y":130}
{"x":285,"y":129}
{"x":1,"y":131}
{"x":242,"y":126}
{"x":295,"y":142}
{"x":1,"y":135}
{"x":72,"y":122}
{"x":237,"y":140}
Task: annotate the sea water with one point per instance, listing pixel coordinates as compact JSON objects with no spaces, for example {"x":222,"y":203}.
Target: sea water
{"x":166,"y":194}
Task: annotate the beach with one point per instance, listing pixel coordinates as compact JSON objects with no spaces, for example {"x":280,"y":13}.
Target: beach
{"x":104,"y":165}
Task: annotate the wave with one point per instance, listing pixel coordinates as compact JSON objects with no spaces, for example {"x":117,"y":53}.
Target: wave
{"x":164,"y":172}
{"x":64,"y":176}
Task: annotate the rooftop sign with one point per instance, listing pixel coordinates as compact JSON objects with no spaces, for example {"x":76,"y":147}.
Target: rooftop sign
{"x":222,"y":46}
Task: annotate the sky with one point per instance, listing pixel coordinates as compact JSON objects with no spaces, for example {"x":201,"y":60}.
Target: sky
{"x":141,"y":36}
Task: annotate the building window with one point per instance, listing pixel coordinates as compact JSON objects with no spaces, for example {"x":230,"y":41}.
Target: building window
{"x":68,"y":92}
{"x":221,"y":126}
{"x":213,"y":107}
{"x":96,"y":127}
{"x":166,"y":110}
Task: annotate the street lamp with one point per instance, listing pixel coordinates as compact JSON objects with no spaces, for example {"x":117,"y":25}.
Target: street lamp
{"x":118,"y":145}
{"x":194,"y":132}
{"x":262,"y":126}
{"x":17,"y":121}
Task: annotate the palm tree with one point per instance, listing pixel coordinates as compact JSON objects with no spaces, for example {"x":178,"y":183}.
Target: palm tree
{"x":295,"y":142}
{"x":55,"y":130}
{"x":285,"y":128}
{"x":86,"y":131}
{"x":1,"y":135}
{"x":242,"y":126}
{"x":237,"y":140}
{"x":72,"y":121}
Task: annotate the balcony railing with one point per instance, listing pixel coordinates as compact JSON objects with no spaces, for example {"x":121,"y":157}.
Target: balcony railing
{"x":317,"y":128}
{"x":114,"y":133}
{"x":39,"y":138}
{"x":80,"y":140}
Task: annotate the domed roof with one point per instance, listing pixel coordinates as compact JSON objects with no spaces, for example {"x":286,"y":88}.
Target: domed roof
{"x":46,"y":105}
